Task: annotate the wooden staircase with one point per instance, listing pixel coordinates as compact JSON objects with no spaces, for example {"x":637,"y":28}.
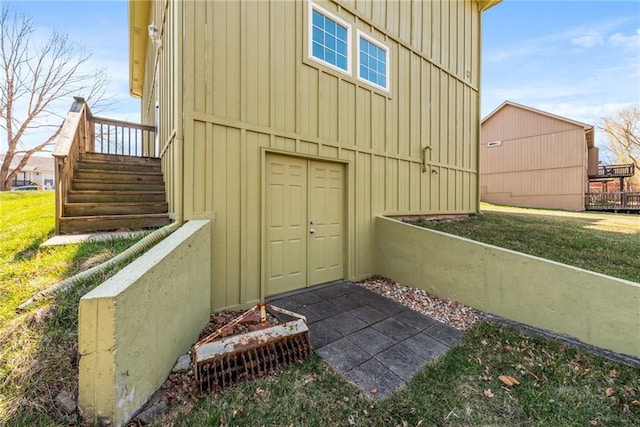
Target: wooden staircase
{"x":114,"y":192}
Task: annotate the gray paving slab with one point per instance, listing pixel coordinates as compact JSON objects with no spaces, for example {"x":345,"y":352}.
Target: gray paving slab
{"x":386,"y":305}
{"x":369,"y":314}
{"x":287,"y":304}
{"x":346,"y":302}
{"x":322,"y":334}
{"x":375,"y":342}
{"x":374,"y":378}
{"x":401,"y":361}
{"x":345,"y":322}
{"x":343,"y":355}
{"x":444,"y":333}
{"x":371,"y":341}
{"x":415,"y":319}
{"x":395,"y":329}
{"x":366,"y":296}
{"x":324,"y":309}
{"x":340,"y":288}
{"x":307,"y":298}
{"x":310,"y":315}
{"x":425,"y":346}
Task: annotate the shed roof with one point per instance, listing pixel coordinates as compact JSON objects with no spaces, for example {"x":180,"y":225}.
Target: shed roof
{"x":589,"y":129}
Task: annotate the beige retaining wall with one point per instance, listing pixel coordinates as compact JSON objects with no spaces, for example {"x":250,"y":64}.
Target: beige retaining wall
{"x":133,"y":327}
{"x":597,"y":309}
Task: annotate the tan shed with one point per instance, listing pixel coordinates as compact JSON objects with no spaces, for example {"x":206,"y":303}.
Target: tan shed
{"x":532,"y":158}
{"x":294,"y":123}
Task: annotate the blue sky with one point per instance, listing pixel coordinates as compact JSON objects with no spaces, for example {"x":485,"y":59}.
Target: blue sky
{"x":579,"y":59}
{"x":101,"y":26}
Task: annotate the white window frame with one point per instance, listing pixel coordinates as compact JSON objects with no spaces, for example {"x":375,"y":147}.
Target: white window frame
{"x":326,"y":13}
{"x":361,"y":35}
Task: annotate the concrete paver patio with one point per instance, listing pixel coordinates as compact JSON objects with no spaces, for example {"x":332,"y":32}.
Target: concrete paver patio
{"x":373,"y":341}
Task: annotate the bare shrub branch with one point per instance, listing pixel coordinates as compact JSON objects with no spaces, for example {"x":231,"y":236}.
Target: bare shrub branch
{"x":34,"y":78}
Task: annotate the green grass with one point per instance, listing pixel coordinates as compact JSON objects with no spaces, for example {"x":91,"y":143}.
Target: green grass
{"x":558,"y":386}
{"x":38,"y":348}
{"x":25,"y":268}
{"x":602,"y":242}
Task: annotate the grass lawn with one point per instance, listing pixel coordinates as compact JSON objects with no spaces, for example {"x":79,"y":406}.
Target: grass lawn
{"x":558,"y":385}
{"x":603,"y":242}
{"x":37,"y":348}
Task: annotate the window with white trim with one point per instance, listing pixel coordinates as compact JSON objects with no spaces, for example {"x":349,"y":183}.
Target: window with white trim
{"x":373,"y":61}
{"x":329,"y":42}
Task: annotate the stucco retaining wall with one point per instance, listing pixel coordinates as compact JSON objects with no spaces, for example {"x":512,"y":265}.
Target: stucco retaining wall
{"x":133,"y":327}
{"x":599,"y":310}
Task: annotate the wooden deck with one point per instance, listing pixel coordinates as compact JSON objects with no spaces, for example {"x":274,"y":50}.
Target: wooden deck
{"x":613,"y":201}
{"x":606,"y":172}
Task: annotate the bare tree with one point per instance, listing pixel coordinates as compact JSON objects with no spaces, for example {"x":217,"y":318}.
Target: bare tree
{"x":623,"y":134}
{"x":34,"y":77}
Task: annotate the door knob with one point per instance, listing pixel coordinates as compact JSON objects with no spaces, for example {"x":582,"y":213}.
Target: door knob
{"x":312,"y":231}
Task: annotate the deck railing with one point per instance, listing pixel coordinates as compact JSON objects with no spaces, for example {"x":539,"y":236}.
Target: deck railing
{"x":613,"y":201}
{"x":83,"y":133}
{"x":123,"y":138}
{"x":71,"y":143}
{"x":615,"y":171}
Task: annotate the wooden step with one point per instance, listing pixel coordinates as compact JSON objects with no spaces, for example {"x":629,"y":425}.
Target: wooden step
{"x":95,"y":209}
{"x":119,"y":166}
{"x":117,"y":158}
{"x":98,"y":185}
{"x":94,"y":196}
{"x":112,"y":176}
{"x":89,"y":224}
{"x":114,"y":192}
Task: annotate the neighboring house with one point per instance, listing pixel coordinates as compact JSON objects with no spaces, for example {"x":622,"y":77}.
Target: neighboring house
{"x":38,"y":170}
{"x":532,"y":158}
{"x":294,"y":123}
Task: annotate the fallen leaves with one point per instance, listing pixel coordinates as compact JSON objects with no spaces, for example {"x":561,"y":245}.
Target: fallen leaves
{"x":508,"y":380}
{"x":609,"y":392}
{"x":488,"y":393}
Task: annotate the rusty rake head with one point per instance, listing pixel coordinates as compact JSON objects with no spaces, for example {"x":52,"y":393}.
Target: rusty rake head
{"x":222,"y":361}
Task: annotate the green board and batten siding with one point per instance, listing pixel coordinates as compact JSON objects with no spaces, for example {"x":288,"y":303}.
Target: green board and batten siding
{"x":240,"y":78}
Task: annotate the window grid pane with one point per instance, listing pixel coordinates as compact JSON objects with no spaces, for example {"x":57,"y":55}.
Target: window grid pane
{"x":329,"y":41}
{"x":373,"y":63}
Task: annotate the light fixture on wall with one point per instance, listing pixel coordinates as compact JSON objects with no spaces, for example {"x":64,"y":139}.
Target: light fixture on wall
{"x":154,"y":35}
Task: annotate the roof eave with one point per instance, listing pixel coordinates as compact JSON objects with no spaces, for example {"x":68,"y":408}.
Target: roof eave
{"x":138,"y":37}
{"x":486,"y":4}
{"x":588,"y":128}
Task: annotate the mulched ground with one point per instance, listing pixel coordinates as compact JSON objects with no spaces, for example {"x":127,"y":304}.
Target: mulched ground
{"x":454,"y":314}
